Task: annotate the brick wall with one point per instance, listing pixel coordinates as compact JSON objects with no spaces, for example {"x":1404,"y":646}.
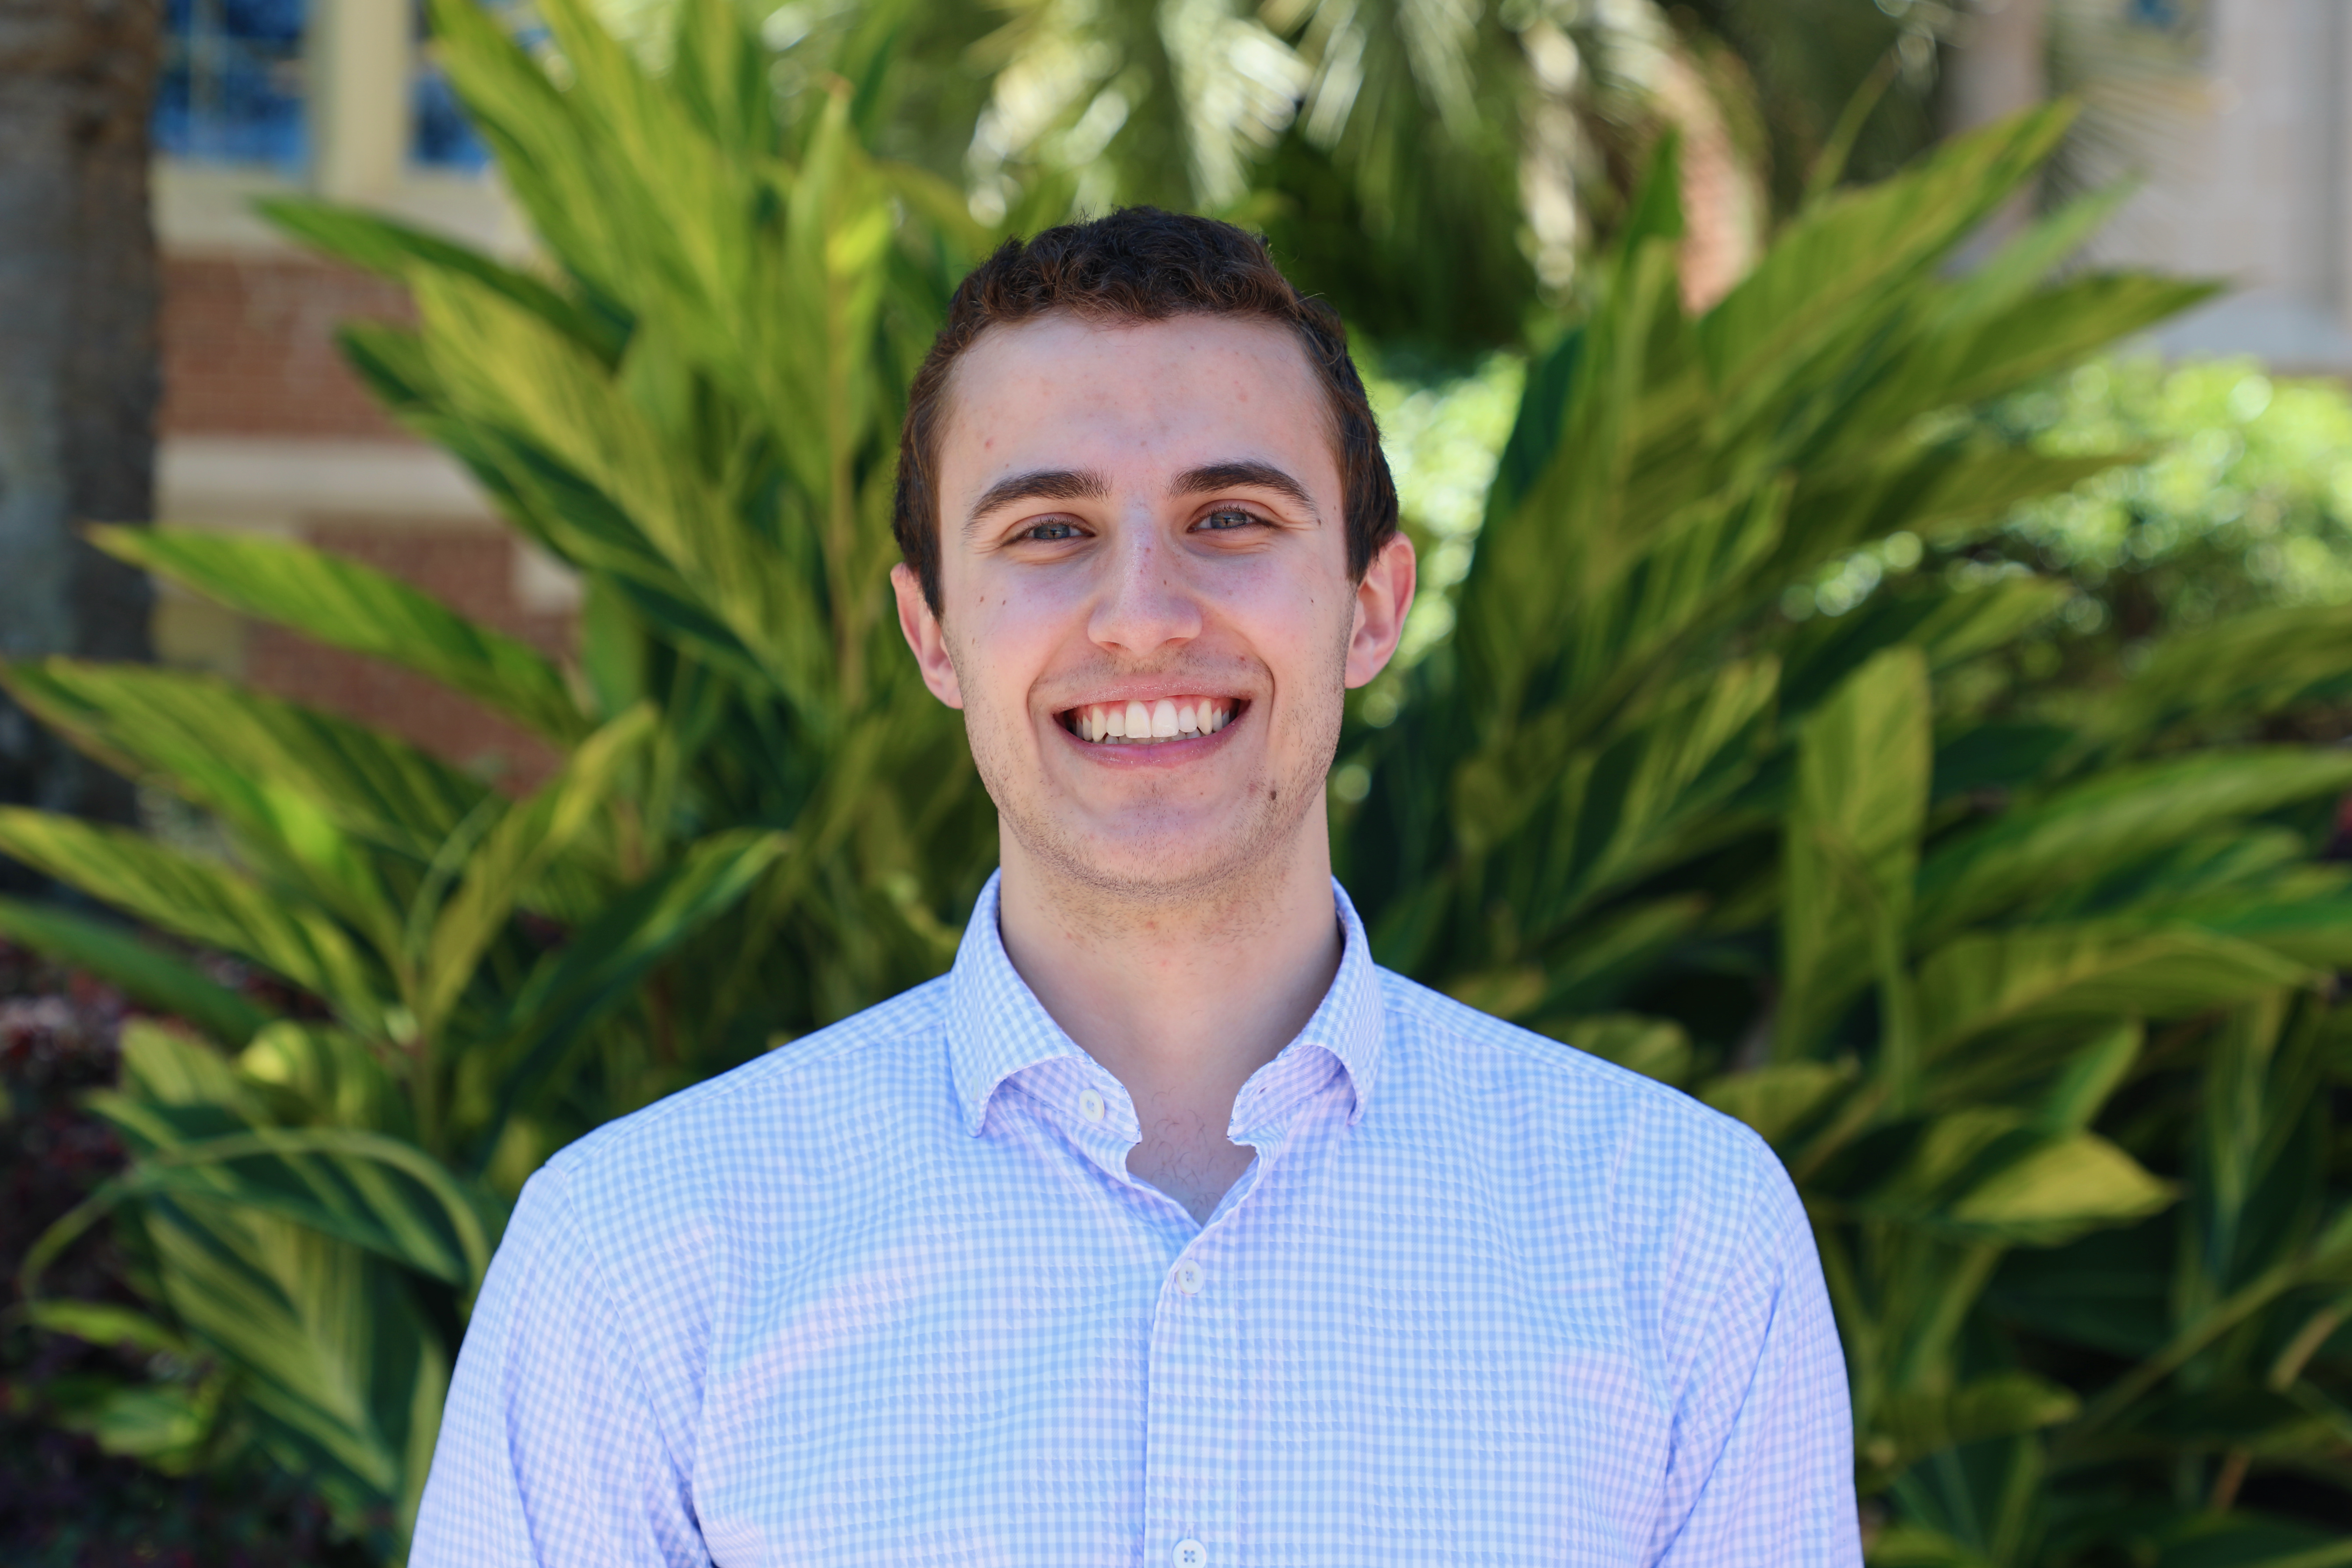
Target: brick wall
{"x":249,"y":347}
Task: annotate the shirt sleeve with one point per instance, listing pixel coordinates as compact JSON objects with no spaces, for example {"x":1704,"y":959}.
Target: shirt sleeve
{"x":549,"y":1453}
{"x":1764,"y":1432}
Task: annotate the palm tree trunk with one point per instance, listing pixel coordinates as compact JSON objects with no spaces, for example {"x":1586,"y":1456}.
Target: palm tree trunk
{"x":79,"y":380}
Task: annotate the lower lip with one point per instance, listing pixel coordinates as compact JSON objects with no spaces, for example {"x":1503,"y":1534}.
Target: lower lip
{"x":1160,"y":755}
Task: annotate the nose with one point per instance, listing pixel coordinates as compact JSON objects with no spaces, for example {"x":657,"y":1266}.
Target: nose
{"x":1146,"y":603}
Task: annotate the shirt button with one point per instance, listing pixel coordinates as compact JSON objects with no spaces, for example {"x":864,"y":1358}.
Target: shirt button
{"x":1090,"y":1105}
{"x":1191,"y":1553}
{"x":1189,"y":1275}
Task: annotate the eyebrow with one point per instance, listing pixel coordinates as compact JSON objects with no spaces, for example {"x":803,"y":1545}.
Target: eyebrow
{"x":1039,"y":484}
{"x":1085,"y":484}
{"x":1227,"y":475}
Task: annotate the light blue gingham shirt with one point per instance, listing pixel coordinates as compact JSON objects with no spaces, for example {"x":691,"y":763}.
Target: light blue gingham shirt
{"x":890,"y":1295}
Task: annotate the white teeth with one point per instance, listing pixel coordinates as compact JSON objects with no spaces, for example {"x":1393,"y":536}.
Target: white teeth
{"x":1162,"y":718}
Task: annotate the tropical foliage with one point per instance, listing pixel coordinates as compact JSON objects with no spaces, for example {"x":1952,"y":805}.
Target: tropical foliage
{"x":2038,"y":1014}
{"x":761,"y":815}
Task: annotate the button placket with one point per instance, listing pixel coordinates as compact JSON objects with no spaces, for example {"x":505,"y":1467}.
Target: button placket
{"x":1192,"y":1484}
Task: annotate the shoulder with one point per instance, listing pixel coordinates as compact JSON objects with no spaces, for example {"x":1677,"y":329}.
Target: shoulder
{"x":1689,"y":1210}
{"x":1689,"y":1198}
{"x":754,"y":1118}
{"x":1637,"y":1115}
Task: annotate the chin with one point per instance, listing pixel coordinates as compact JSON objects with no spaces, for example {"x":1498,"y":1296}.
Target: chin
{"x":1147,"y":865}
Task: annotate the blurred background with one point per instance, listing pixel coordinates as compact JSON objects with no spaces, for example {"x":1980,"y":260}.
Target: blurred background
{"x":1437,"y":169}
{"x":2069,"y":560}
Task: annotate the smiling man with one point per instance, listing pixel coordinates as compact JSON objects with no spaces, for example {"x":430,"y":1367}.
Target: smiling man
{"x":1166,"y":1228}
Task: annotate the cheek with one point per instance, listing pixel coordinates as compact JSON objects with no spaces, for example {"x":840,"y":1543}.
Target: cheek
{"x":1002,"y":639}
{"x":1282,"y":608}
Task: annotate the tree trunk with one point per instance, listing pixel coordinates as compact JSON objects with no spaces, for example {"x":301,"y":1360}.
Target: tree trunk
{"x":78,"y":379}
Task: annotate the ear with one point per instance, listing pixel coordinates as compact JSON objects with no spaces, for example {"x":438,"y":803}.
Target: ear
{"x":1382,"y":600}
{"x":924,"y":635}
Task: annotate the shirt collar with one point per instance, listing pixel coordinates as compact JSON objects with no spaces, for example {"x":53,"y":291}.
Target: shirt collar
{"x":997,"y":1026}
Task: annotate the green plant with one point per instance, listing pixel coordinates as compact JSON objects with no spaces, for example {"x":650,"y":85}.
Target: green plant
{"x":762,"y":822}
{"x":1998,"y":991}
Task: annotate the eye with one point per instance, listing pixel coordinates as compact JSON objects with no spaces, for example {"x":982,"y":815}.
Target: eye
{"x":1053,"y":530}
{"x":1227,"y":518}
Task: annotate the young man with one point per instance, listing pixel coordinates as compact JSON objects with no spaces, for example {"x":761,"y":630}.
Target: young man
{"x":1166,"y":1228}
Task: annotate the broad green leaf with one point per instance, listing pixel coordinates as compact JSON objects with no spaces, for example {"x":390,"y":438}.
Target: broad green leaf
{"x":505,"y":368}
{"x":382,"y":1194}
{"x":345,"y":605}
{"x":1966,"y":358}
{"x":205,"y":903}
{"x":2247,"y":666}
{"x":1982,"y":981}
{"x":144,"y":973}
{"x":106,"y":1324}
{"x":516,"y":852}
{"x":2125,"y":812}
{"x":2090,"y":1077}
{"x":1999,"y":1405}
{"x":396,"y":250}
{"x":1783,"y":1101}
{"x":2067,"y":1186}
{"x":1947,"y":624}
{"x":600,"y":967}
{"x":1596,"y":963}
{"x":1697,"y":566}
{"x":337,"y":1364}
{"x":1857,"y":248}
{"x":1931,"y":492}
{"x":2012,"y":273}
{"x":169,"y":1426}
{"x":219,"y":745}
{"x":1994,"y":1174}
{"x":335,"y":1079}
{"x":1612,"y":815}
{"x":1852,"y":842}
{"x":2237,"y":1541}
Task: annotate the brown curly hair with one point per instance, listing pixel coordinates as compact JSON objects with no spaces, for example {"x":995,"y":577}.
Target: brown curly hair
{"x":1139,"y":264}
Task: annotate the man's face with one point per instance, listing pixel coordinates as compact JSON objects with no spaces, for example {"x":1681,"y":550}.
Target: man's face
{"x":1146,"y":611}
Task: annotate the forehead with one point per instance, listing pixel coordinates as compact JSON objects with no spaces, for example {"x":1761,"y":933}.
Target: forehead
{"x":1063,"y":391}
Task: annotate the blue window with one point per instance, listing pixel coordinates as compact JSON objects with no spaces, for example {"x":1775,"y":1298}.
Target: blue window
{"x":231,"y":90}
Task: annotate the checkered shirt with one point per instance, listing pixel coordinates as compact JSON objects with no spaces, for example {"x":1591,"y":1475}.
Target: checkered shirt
{"x":890,"y":1295}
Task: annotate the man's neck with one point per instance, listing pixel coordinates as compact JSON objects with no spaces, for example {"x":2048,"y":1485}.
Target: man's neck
{"x":1180,"y":1001}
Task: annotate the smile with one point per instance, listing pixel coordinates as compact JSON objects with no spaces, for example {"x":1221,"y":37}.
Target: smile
{"x":1149,"y":723}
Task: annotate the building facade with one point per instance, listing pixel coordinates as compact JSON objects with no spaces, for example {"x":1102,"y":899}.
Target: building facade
{"x":2233,"y":118}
